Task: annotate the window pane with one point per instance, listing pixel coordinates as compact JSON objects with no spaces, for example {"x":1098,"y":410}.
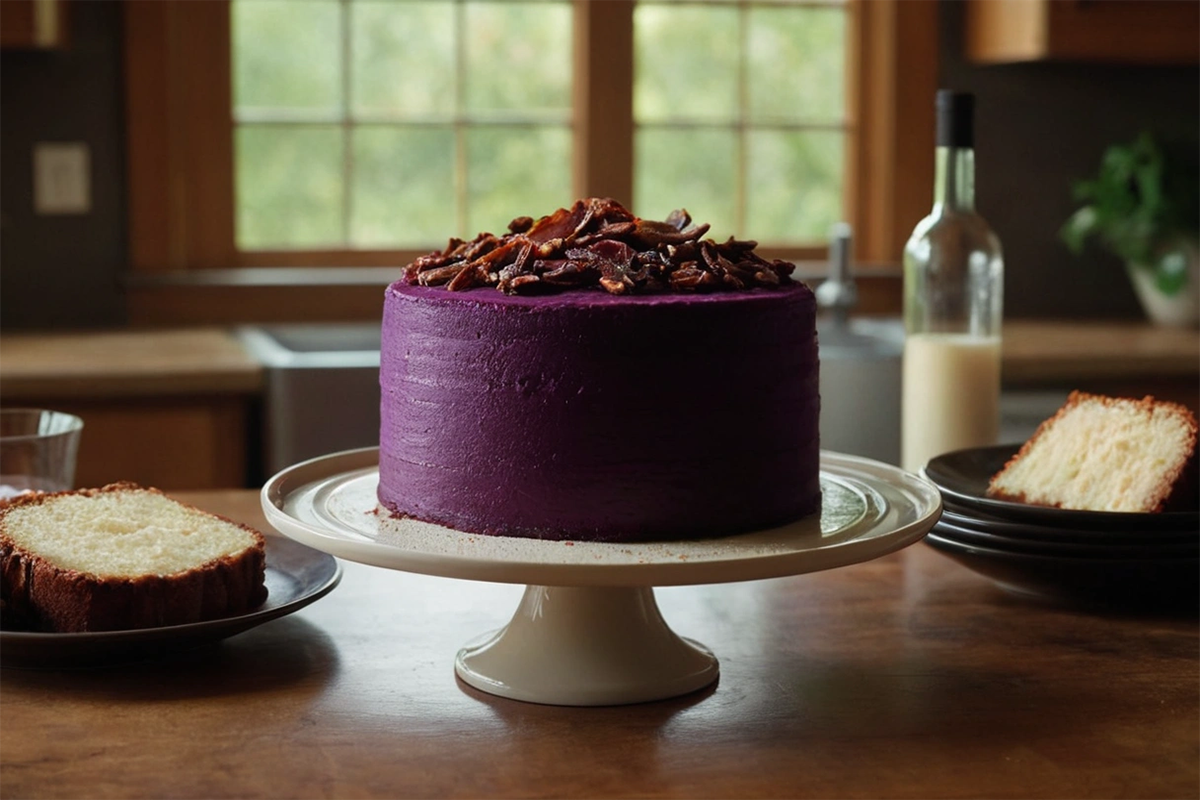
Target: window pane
{"x":513,"y":172}
{"x":795,"y":63}
{"x":519,"y":57}
{"x":685,"y":63}
{"x":794,"y":185}
{"x":403,"y":186}
{"x":402,"y":58}
{"x":289,"y":186}
{"x":694,"y":169}
{"x":286,"y":55}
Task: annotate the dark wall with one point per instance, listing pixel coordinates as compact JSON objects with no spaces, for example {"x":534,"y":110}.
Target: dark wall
{"x":63,"y":271}
{"x":1040,"y":127}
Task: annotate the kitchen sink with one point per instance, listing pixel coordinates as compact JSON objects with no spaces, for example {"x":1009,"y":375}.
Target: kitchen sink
{"x":860,"y":386}
{"x":321,"y":390}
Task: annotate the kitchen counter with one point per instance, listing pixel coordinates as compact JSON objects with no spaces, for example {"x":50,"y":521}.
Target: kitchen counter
{"x":148,"y":396}
{"x":1037,"y":350}
{"x":131,"y":363}
{"x":907,"y":676}
{"x":1122,"y":359}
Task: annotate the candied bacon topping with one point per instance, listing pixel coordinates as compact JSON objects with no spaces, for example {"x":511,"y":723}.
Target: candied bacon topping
{"x":597,"y":243}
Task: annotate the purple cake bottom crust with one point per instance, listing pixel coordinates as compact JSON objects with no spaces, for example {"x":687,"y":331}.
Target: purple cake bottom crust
{"x":598,"y":418}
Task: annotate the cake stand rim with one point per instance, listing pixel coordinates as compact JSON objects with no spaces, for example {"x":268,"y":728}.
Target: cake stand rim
{"x":881,"y":537}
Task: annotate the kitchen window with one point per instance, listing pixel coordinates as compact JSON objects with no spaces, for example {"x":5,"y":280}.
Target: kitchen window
{"x":771,"y":119}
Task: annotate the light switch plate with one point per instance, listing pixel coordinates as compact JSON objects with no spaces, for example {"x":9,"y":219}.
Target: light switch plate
{"x":62,"y":178}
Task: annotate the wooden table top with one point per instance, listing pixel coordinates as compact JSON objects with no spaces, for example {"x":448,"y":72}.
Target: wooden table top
{"x":907,"y":676}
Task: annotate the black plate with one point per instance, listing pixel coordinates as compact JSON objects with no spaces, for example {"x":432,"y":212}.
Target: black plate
{"x":1170,"y":584}
{"x":296,"y":576}
{"x":1082,"y":548}
{"x":963,"y":475}
{"x":963,"y":517}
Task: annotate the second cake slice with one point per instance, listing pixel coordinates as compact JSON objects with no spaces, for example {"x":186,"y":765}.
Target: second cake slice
{"x":1101,"y":453}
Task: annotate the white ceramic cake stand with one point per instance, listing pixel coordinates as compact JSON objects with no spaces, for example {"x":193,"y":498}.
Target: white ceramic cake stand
{"x":588,"y":630}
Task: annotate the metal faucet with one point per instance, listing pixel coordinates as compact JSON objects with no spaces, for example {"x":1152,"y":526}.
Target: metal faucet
{"x":837,"y":293}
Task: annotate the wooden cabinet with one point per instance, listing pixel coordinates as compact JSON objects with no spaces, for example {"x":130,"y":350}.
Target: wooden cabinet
{"x":33,"y":24}
{"x":1098,"y":31}
{"x":172,"y":443}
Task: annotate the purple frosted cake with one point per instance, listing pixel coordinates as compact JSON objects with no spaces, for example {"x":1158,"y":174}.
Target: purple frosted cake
{"x":617,"y":404}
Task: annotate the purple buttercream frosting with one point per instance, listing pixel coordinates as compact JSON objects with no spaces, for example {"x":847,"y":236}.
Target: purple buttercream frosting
{"x":589,"y":416}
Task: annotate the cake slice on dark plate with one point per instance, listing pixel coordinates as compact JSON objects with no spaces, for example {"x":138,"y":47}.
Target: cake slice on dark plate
{"x":123,"y":557}
{"x":1100,"y":453}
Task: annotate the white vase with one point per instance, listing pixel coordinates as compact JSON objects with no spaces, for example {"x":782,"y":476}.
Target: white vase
{"x":1181,"y":309}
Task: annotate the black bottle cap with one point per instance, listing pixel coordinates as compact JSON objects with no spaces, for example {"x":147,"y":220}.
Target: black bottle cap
{"x":955,"y":119}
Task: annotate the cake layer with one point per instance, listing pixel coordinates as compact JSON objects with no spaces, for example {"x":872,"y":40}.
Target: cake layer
{"x":584,"y":415}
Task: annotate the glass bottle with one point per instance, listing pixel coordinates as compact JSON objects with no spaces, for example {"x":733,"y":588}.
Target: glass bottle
{"x":953,"y":304}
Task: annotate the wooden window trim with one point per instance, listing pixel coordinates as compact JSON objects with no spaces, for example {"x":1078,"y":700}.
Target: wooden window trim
{"x":895,"y":74}
{"x":180,"y":153}
{"x":180,"y":171}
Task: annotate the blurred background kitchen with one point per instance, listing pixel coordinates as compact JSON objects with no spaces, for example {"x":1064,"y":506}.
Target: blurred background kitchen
{"x":180,"y":180}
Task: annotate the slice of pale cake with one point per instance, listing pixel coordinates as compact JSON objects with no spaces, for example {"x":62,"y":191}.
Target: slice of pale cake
{"x":124,"y":557}
{"x":1101,"y":453}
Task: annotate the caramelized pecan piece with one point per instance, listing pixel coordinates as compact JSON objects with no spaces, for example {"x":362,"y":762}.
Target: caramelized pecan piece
{"x":439,"y":275}
{"x":572,"y":273}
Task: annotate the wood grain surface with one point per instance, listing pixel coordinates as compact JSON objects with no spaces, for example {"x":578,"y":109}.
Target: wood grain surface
{"x":1122,"y":359}
{"x":907,"y":676}
{"x":1078,"y":350}
{"x":122,"y":364}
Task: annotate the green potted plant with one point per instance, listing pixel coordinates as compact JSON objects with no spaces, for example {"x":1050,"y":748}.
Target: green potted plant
{"x":1143,"y":205}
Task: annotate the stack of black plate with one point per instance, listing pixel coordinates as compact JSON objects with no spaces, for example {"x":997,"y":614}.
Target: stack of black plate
{"x":1097,"y":557}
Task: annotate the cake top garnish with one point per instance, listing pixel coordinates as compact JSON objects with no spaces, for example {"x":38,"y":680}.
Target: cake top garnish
{"x":599,"y":244}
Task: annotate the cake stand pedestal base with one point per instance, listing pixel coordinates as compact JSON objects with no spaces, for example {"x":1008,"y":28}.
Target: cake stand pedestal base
{"x":586,"y":646}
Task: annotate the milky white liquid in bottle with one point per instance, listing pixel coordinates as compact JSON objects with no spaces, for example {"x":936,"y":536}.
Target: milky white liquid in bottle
{"x":953,"y":379}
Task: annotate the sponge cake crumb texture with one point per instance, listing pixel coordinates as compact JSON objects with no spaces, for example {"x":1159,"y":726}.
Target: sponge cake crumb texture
{"x":1101,"y":453}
